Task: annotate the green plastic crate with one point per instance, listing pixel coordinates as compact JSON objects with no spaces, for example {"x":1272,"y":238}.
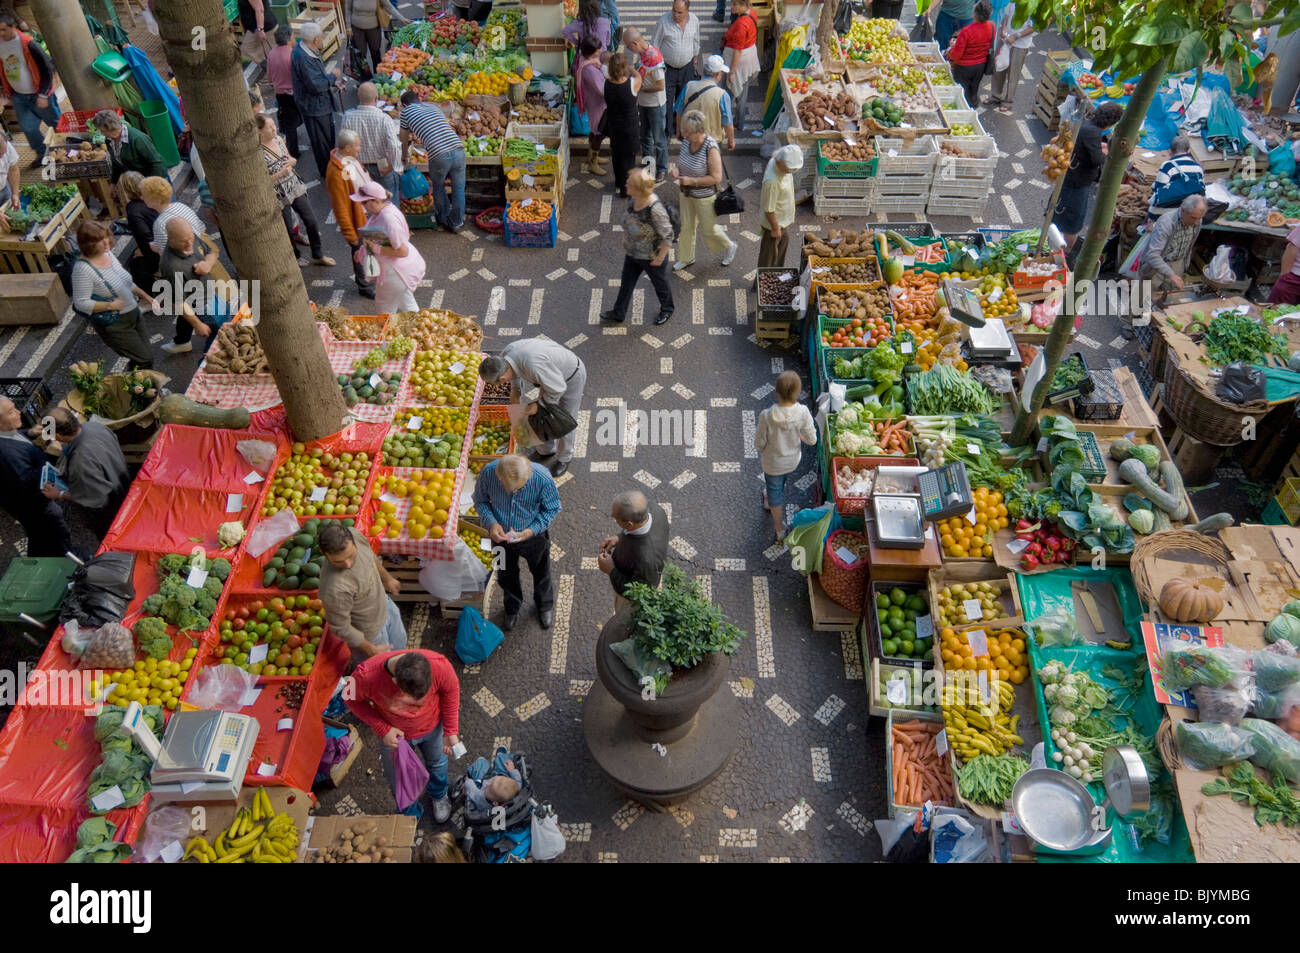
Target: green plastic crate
{"x":940,"y":266}
{"x":33,"y":588}
{"x":834,"y":169}
{"x":1094,"y":465}
{"x":827,"y":324}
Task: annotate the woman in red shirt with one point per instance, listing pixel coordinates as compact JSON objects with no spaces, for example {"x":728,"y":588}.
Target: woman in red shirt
{"x":970,"y":50}
{"x":740,"y":50}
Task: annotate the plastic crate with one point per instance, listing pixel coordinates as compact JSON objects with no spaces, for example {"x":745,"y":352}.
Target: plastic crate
{"x":957,"y":207}
{"x":909,"y":159}
{"x":421,"y":220}
{"x":950,"y":97}
{"x":779,"y":312}
{"x":29,"y":394}
{"x":980,"y":166}
{"x":968,"y":117}
{"x":856,"y":505}
{"x":547,"y":163}
{"x":1104,"y":402}
{"x":963,"y":239}
{"x":821,"y":279}
{"x":922,"y":241}
{"x":827,"y":207}
{"x":79,"y":121}
{"x":844,"y":188}
{"x":531,"y":234}
{"x":837,"y":169}
{"x":906,"y":229}
{"x":1084,"y":386}
{"x":91,"y":169}
{"x":1094,"y":466}
{"x":995,"y":233}
{"x":926,"y":52}
{"x":831,"y":325}
{"x":1025,"y":282}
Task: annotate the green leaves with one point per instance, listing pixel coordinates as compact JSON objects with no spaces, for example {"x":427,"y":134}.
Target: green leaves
{"x":1160,"y":34}
{"x":676,"y":624}
{"x":1191,"y":53}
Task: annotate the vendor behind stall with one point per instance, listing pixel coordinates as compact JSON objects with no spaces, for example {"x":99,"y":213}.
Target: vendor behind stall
{"x":1169,"y":247}
{"x":1179,"y":176}
{"x":1287,"y":288}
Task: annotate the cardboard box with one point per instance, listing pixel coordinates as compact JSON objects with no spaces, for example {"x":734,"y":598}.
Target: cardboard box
{"x":397,"y":828}
{"x":1223,"y":831}
{"x":32,"y":299}
{"x":216,"y":816}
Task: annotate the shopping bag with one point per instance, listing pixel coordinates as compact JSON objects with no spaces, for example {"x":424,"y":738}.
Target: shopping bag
{"x":476,"y":637}
{"x":409,"y":775}
{"x":551,"y":422}
{"x":548,"y":839}
{"x":1003,"y":61}
{"x":1130,"y":267}
{"x":413,"y":184}
{"x":449,"y":580}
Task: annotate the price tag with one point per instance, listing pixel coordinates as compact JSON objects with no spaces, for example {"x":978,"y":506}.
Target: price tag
{"x":819,"y":270}
{"x":107,"y":800}
{"x":474,"y":117}
{"x":896,"y":691}
{"x":375,"y":379}
{"x":828,"y":120}
{"x":1130,"y":435}
{"x":485,"y":544}
{"x":846,"y":555}
{"x":525,"y":203}
{"x":970,"y":518}
{"x":234,"y":502}
{"x":286,"y":724}
{"x":540,"y":148}
{"x":317,"y":495}
{"x":394,"y":77}
{"x":974,"y":610}
{"x":941,"y":742}
{"x":172,"y":853}
{"x":787,"y":276}
{"x":391,"y":498}
{"x":850,"y":142}
{"x":924,"y":627}
{"x":266,"y":770}
{"x":196,"y":578}
{"x":528,"y":180}
{"x":258,"y":653}
{"x":973,"y":449}
{"x":978,"y":641}
{"x":835,"y":241}
{"x":1017,"y":546}
{"x":457,"y":367}
{"x":986,"y":691}
{"x":254,"y":477}
{"x":415,"y":423}
{"x":905,"y":347}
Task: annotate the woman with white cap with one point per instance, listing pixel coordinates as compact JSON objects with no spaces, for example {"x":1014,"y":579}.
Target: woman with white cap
{"x":387,"y":237}
{"x":777,"y":205}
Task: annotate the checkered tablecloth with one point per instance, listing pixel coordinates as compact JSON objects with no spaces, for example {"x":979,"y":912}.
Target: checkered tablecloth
{"x":253,"y":391}
{"x":439,"y":549}
{"x":344,"y":355}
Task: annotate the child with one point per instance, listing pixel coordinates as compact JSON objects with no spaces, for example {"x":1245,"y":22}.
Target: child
{"x":780,"y":430}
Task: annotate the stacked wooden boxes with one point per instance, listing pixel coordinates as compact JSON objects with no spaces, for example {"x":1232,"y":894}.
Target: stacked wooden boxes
{"x":544,"y":179}
{"x":963,"y":184}
{"x":19,"y":255}
{"x":1051,"y":92}
{"x":904,"y":174}
{"x":326,"y":15}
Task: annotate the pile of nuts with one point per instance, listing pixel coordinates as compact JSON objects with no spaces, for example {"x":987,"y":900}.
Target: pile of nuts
{"x":772,"y":290}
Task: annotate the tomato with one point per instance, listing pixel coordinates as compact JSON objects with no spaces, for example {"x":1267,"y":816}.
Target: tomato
{"x":276,"y":605}
{"x":240,"y":623}
{"x":243,"y":612}
{"x":315,"y":605}
{"x":256,"y":605}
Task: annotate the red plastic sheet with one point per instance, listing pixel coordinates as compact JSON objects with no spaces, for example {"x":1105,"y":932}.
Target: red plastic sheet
{"x":200,"y":458}
{"x":165,"y":519}
{"x":46,"y":757}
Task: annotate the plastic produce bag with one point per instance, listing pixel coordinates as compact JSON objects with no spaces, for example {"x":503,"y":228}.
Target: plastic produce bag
{"x":476,"y":637}
{"x":954,"y":840}
{"x":1274,"y":671}
{"x":1275,"y":750}
{"x":1220,"y":268}
{"x":806,"y":539}
{"x":409,"y":775}
{"x":548,"y":840}
{"x":272,"y":532}
{"x":260,"y":454}
{"x":1281,"y":161}
{"x":1242,"y":384}
{"x":164,"y":826}
{"x":101,"y":590}
{"x":221,"y":687}
{"x":110,"y":646}
{"x":1226,"y":705}
{"x":1056,"y":629}
{"x":640,"y":662}
{"x":451,"y":579}
{"x":413,"y":184}
{"x":1187,"y":665}
{"x":1203,"y":744}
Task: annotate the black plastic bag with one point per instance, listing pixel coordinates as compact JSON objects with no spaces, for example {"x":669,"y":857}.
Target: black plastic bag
{"x":101,"y":590}
{"x":923,"y":32}
{"x":1242,"y":384}
{"x":551,"y":422}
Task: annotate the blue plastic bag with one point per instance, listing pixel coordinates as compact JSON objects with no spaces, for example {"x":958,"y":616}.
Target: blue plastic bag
{"x":476,"y":637}
{"x":578,"y":124}
{"x":1281,"y":161}
{"x":413,"y":184}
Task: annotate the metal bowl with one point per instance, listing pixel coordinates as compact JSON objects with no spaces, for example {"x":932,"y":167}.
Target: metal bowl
{"x":1054,"y":809}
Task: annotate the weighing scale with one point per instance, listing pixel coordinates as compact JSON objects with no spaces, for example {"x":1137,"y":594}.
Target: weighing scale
{"x":898,"y":521}
{"x":945,"y":492}
{"x":203,"y":754}
{"x":1058,"y":814}
{"x":992,"y":344}
{"x":964,"y":304}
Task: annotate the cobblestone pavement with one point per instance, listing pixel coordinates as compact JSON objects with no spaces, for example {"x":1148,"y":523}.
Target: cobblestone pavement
{"x":807,"y":777}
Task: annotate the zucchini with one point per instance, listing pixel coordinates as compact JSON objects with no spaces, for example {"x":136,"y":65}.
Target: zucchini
{"x":179,"y":409}
{"x":1212,"y":524}
{"x":1173,"y":499}
{"x":906,"y":247}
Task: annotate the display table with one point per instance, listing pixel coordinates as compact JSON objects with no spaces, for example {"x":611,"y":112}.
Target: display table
{"x":902,"y":565}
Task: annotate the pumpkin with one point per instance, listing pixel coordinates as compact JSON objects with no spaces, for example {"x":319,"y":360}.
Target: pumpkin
{"x":1275,"y":220}
{"x":1184,"y":600}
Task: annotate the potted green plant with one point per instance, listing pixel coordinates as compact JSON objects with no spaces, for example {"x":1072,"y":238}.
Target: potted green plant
{"x":665,"y":655}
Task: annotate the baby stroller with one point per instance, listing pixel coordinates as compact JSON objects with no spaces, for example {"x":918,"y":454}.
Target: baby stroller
{"x":502,"y":834}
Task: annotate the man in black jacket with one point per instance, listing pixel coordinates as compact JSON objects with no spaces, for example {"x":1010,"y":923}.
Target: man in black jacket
{"x":313,"y":91}
{"x":20,"y":480}
{"x":638,"y":554}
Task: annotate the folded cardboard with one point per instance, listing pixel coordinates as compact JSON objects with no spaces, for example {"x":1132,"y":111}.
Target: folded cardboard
{"x":398,"y":829}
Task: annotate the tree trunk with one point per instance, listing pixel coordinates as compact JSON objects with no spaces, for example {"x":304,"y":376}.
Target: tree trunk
{"x":63,"y":27}
{"x":1123,"y":140}
{"x":202,"y":52}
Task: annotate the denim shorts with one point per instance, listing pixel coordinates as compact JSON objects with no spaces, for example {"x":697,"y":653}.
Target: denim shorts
{"x":775,"y":489}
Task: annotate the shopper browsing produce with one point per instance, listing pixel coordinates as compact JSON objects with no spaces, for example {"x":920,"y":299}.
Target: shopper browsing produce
{"x":21,"y":463}
{"x":970,"y":51}
{"x":782,"y":428}
{"x":105,"y":295}
{"x":542,"y":371}
{"x":380,"y":146}
{"x":184,"y":263}
{"x":426,"y":123}
{"x":388,"y":238}
{"x":355,"y":588}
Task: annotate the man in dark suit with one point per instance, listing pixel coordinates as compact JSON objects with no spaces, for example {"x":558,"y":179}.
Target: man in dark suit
{"x":638,"y":554}
{"x":20,"y":482}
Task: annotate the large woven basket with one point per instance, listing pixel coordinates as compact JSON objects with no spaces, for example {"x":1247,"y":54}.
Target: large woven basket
{"x":1167,"y":745}
{"x":846,"y":583}
{"x":1171,"y":541}
{"x":1202,"y":416}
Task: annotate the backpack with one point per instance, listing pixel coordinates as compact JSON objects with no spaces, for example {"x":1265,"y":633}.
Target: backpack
{"x":674,"y":215}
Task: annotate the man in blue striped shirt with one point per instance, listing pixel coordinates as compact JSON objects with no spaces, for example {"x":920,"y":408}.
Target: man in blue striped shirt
{"x":429,"y":126}
{"x":516,"y":502}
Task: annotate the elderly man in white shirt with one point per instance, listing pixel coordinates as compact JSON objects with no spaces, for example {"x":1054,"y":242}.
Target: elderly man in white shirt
{"x":381,"y":148}
{"x":677,"y":36}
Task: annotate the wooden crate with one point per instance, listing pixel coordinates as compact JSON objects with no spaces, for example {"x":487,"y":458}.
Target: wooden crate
{"x":18,"y":256}
{"x":325,"y":13}
{"x":774,"y":332}
{"x":407,"y":573}
{"x":1047,"y":115}
{"x":32,"y":299}
{"x":827,"y":614}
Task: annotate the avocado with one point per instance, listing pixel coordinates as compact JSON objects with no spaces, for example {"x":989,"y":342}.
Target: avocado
{"x":290,"y":582}
{"x":304,"y":539}
{"x":310,"y":582}
{"x":296,"y":554}
{"x":277,"y":562}
{"x":268,"y":578}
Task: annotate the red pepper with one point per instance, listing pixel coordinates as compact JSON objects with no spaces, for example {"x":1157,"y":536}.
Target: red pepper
{"x":1029,"y":561}
{"x":1034,"y":549}
{"x":1023,"y":526}
{"x":1052,"y":542}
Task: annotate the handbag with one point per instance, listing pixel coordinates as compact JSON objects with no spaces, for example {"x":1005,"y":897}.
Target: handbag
{"x":551,"y":422}
{"x":101,"y":318}
{"x":382,"y":15}
{"x":990,"y":61}
{"x":727,"y":201}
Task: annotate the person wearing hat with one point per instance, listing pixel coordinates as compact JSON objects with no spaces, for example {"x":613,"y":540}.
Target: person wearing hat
{"x":387,"y":237}
{"x":777,"y":205}
{"x":710,"y":98}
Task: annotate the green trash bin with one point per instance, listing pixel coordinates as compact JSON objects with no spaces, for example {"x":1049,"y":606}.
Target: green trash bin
{"x":158,"y":126}
{"x":31,"y":592}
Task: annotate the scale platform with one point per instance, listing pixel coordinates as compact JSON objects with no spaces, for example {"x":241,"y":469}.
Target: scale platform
{"x":203,"y":754}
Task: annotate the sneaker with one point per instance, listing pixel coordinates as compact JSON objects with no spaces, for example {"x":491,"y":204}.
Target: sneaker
{"x":683,"y":265}
{"x":730,"y":256}
{"x":171,"y":347}
{"x":442,"y":810}
{"x":325,"y":261}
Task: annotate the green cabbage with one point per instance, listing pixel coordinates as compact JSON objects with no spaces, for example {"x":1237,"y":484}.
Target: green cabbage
{"x":1284,"y":626}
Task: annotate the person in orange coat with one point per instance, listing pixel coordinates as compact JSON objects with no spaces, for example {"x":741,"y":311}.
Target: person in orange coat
{"x":345,"y":175}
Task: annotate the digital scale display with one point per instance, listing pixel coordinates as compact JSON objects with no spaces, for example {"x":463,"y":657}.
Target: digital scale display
{"x":945,"y":492}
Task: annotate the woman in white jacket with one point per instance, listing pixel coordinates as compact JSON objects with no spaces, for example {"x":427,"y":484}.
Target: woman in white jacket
{"x":782,"y":428}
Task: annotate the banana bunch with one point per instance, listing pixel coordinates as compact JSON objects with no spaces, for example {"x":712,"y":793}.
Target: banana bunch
{"x":258,"y":835}
{"x":976,"y":727}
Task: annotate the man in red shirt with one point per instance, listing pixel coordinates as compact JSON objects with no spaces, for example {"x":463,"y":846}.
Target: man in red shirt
{"x":412,"y":695}
{"x":278,"y":71}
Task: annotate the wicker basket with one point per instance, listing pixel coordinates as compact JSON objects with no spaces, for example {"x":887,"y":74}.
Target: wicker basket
{"x":1167,"y":746}
{"x":846,"y":583}
{"x":1184,"y":541}
{"x":1201,"y":416}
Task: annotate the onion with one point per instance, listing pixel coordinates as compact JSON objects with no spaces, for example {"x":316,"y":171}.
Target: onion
{"x":1057,"y":757}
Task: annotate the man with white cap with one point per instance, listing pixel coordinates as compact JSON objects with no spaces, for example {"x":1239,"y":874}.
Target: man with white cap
{"x":777,"y":205}
{"x":387,"y":237}
{"x":709,"y":97}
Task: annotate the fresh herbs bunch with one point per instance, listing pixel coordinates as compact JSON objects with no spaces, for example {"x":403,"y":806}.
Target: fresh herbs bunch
{"x":676,"y":624}
{"x":1234,"y":337}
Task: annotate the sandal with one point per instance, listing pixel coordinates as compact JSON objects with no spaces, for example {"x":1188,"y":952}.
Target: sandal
{"x":1005,"y":109}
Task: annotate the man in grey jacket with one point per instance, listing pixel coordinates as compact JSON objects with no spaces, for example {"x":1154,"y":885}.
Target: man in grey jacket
{"x":541,"y":370}
{"x":1169,"y":247}
{"x":93,"y":468}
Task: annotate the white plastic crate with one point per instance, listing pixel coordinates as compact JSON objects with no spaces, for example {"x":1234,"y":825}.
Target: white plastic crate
{"x":950,"y":97}
{"x":964,"y":116}
{"x":926,"y":52}
{"x":971,"y":208}
{"x":842,"y":206}
{"x":844,"y":188}
{"x":536,"y":132}
{"x":900,"y":203}
{"x":898,"y":157}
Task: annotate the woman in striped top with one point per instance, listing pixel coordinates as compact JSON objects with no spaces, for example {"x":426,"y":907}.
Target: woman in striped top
{"x":101,"y":288}
{"x":699,"y":173}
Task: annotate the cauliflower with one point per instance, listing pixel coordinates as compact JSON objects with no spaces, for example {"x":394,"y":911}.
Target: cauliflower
{"x":1050,"y":690}
{"x":1062,"y":716}
{"x":1051,"y":672}
{"x":229,"y":534}
{"x":849,"y":444}
{"x":848,"y":416}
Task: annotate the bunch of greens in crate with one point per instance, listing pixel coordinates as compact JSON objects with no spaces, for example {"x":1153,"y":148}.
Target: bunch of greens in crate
{"x":1232,"y":338}
{"x":882,"y":364}
{"x":46,"y":201}
{"x":945,"y":390}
